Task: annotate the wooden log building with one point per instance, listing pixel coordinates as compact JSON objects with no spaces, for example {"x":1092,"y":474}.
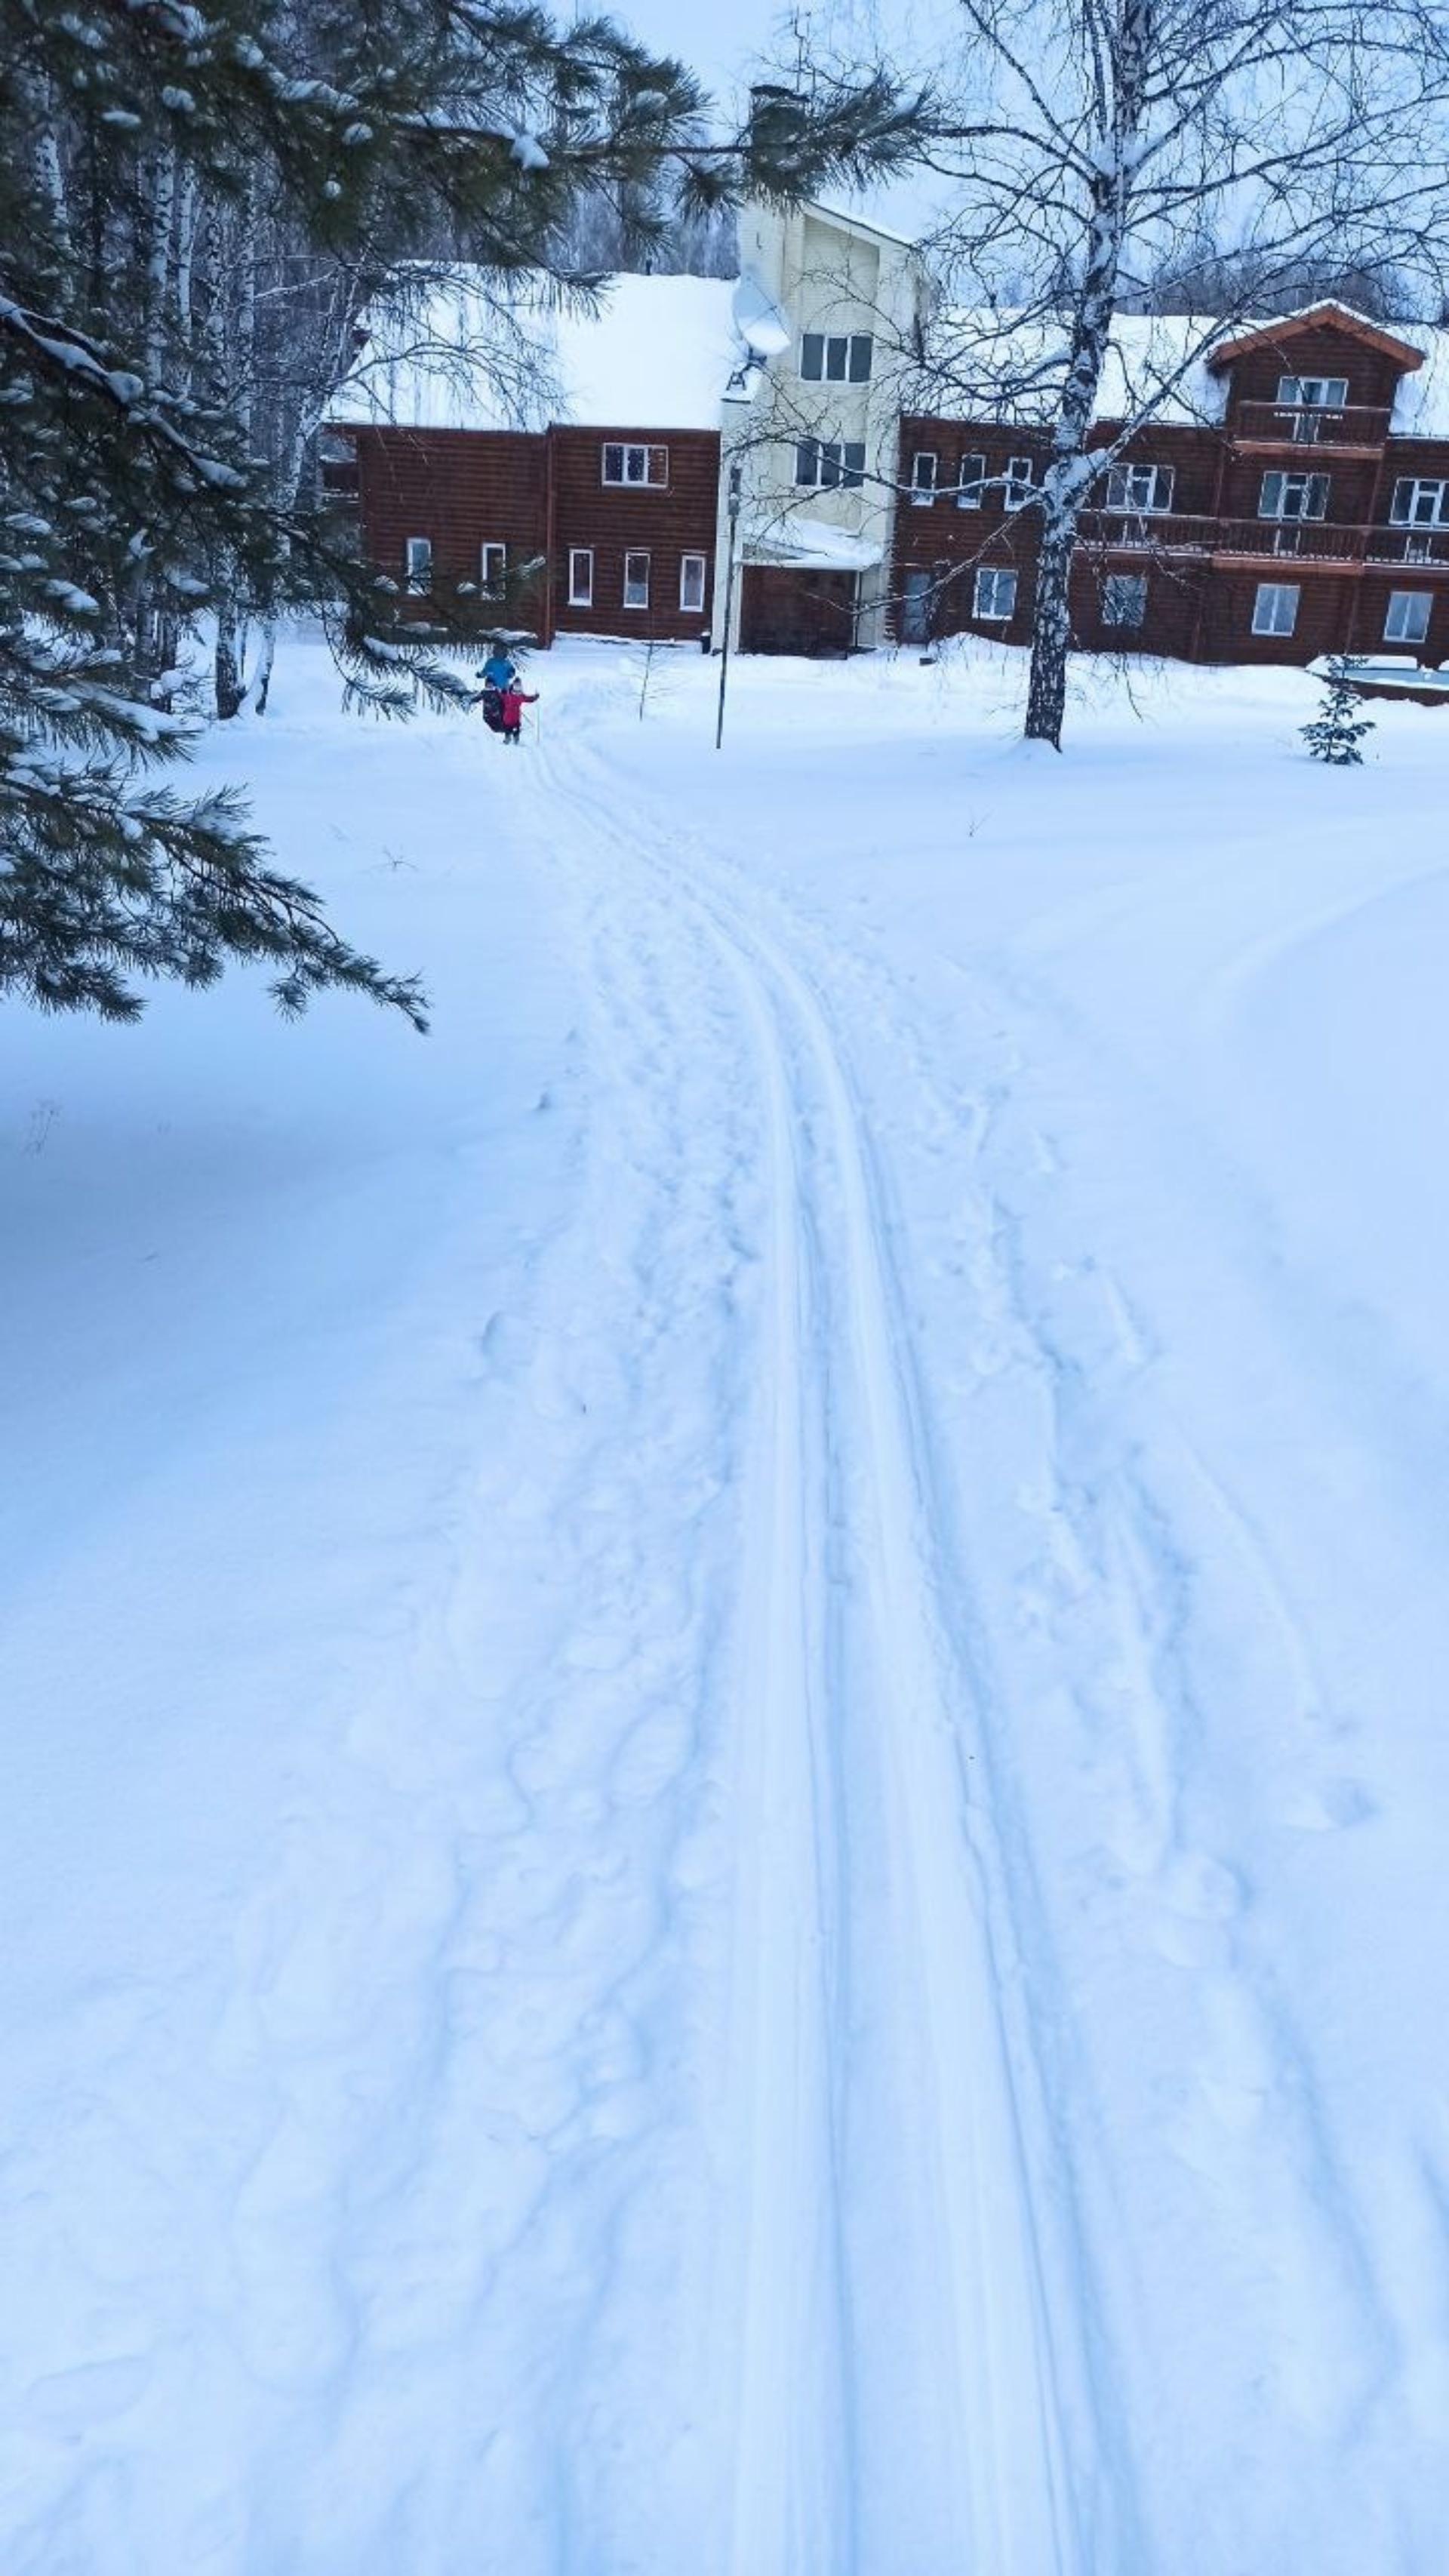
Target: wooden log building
{"x":1291,"y":499}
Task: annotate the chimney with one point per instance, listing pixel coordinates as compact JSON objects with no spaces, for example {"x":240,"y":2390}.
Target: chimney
{"x":779,"y":123}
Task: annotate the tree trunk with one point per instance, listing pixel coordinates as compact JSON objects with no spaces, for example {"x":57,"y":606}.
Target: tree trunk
{"x":265,"y":658}
{"x":160,"y":224}
{"x":230,"y":686}
{"x":1051,"y":632}
{"x":1069,"y":474}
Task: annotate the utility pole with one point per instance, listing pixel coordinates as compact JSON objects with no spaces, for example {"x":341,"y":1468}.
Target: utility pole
{"x":732,"y":505}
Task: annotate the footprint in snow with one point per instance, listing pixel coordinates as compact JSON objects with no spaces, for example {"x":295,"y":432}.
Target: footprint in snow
{"x":1331,"y":1807}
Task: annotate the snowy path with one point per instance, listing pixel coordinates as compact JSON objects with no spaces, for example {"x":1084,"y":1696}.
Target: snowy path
{"x":737,"y":1865}
{"x":901,"y":2348}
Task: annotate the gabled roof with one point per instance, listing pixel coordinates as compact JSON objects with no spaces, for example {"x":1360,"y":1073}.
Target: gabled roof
{"x":650,"y":353}
{"x":1327,"y":315}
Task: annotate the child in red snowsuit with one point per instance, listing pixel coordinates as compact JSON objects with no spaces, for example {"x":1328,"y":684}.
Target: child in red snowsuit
{"x":512,"y":702}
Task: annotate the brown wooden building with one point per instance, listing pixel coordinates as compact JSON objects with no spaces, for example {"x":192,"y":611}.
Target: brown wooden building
{"x":1289,"y":499}
{"x":1308,"y":517}
{"x":572,"y":531}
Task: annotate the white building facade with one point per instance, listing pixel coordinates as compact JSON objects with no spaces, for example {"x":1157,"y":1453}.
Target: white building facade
{"x":828,"y":308}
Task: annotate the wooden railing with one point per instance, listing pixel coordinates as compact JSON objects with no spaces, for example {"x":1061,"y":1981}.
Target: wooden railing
{"x":1174,"y":532}
{"x":1296,"y":540}
{"x":1311,"y":424}
{"x":1407,"y":546}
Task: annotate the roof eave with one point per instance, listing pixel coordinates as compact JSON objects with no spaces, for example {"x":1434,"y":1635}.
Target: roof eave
{"x":1339,"y":317}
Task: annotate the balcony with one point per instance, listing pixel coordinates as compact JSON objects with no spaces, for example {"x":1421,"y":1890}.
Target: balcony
{"x":1287,"y":540}
{"x":1408,"y":546}
{"x":1173,"y":534}
{"x":1354,"y":430}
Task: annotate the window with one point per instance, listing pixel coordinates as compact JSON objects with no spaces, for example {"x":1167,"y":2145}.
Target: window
{"x":691,"y":583}
{"x":1407,"y":621}
{"x":1018,"y":482}
{"x":836,"y":358}
{"x":970,"y":476}
{"x":1139,"y":487}
{"x":1314,"y":393}
{"x":636,"y":581}
{"x":1418,"y":504}
{"x":581,"y":576}
{"x":418,"y":559}
{"x":825,"y":463}
{"x":1293,"y":496}
{"x":923,"y":478}
{"x":995,"y":595}
{"x":1124,"y":599}
{"x":917,"y":606}
{"x":493,"y":571}
{"x":1275,"y":608}
{"x":624,"y":463}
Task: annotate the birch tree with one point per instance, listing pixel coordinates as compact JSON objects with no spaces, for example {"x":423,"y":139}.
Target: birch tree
{"x":1089,"y":141}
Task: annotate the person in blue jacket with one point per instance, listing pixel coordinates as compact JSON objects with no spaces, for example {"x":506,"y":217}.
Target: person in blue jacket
{"x":499,"y":672}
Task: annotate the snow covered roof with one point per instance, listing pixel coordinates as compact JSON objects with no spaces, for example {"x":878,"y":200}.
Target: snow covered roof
{"x":1176,"y":362}
{"x":1157,"y":357}
{"x":660,"y":353}
{"x":1328,"y":313}
{"x":862,"y":223}
{"x":655,"y":353}
{"x":810,"y":545}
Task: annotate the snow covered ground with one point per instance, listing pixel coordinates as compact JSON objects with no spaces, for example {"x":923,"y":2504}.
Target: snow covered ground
{"x":725,"y":1726}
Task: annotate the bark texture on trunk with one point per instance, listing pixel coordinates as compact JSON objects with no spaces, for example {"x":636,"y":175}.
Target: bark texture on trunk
{"x":265,"y":658}
{"x":230,"y":686}
{"x":1051,"y":633}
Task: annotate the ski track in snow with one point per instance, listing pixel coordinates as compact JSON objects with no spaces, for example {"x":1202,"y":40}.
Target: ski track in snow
{"x":912,"y":2384}
{"x":1113,"y":1601}
{"x":649,"y":2112}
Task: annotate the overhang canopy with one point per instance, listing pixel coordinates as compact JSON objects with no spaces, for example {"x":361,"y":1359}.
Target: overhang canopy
{"x":810,"y":545}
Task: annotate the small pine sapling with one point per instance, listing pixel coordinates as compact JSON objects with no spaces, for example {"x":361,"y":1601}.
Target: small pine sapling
{"x":1340,"y":724}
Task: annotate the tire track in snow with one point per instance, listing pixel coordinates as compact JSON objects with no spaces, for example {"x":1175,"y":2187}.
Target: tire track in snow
{"x":964,"y":2337}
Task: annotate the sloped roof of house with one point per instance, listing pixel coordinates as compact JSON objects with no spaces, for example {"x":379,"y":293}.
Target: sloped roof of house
{"x":1327,"y":314}
{"x":652,"y":353}
{"x":1176,"y":363}
{"x":659,"y":352}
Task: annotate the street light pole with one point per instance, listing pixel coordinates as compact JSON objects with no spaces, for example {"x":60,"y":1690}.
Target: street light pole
{"x":732,"y":505}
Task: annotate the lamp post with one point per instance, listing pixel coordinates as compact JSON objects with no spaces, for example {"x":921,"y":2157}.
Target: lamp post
{"x":732,"y":505}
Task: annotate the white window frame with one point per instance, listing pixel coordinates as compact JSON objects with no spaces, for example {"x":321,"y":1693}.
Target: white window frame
{"x":636,"y":590}
{"x":1401,"y":603}
{"x":990,"y":579}
{"x":829,"y":464}
{"x":836,"y":357}
{"x":1274,"y":504}
{"x":1407,"y":512}
{"x":1117,"y":582}
{"x":652,"y":474}
{"x":1140,"y":488}
{"x":968,"y":484}
{"x":581,"y":591}
{"x":923,"y":477}
{"x":693,"y":607}
{"x":493,"y":584}
{"x":418,"y":566}
{"x":1268,"y":615}
{"x":1313,"y":393}
{"x":1019,"y":470}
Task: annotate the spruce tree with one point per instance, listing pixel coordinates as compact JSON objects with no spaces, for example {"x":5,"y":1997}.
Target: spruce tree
{"x":1340,"y":724}
{"x":148,"y":475}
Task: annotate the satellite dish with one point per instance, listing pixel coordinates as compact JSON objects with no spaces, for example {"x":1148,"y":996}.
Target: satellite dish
{"x":759,"y":321}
